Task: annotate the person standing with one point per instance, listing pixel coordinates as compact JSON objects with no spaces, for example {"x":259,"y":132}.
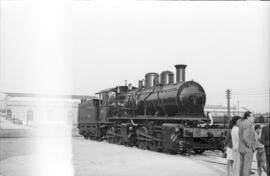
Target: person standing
{"x":228,"y":144}
{"x":260,"y":152}
{"x":235,"y":144}
{"x":246,"y":143}
{"x":266,"y":142}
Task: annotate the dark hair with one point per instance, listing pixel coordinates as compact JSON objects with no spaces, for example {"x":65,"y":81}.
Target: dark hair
{"x":247,"y":114}
{"x":257,"y":126}
{"x":233,"y":121}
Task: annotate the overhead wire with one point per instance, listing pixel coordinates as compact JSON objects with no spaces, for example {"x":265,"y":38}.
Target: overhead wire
{"x":251,"y":92}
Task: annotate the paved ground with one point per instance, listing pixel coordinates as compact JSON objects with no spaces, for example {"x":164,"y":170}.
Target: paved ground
{"x":100,"y":158}
{"x":10,"y":147}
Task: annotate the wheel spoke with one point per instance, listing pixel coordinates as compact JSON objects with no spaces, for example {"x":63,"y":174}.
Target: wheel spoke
{"x":143,"y":144}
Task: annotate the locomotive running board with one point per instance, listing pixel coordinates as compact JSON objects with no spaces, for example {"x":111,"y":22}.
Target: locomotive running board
{"x":157,"y":118}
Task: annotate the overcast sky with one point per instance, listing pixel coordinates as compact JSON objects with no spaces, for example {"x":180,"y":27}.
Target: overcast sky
{"x":85,"y":46}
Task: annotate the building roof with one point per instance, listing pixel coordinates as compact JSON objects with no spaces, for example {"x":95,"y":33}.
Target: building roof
{"x":65,"y":96}
{"x":114,"y":89}
{"x":222,"y":108}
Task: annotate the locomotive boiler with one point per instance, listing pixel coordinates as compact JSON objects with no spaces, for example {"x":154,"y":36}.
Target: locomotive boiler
{"x":159,"y":115}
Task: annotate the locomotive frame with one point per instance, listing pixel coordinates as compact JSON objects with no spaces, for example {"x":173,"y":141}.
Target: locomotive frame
{"x":166,"y":116}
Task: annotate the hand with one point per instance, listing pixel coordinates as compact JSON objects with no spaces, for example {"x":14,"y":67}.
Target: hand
{"x":235,"y":149}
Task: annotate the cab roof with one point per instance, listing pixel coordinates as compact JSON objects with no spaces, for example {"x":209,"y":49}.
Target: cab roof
{"x":114,"y":89}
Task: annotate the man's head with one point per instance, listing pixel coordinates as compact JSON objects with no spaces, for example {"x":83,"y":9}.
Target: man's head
{"x":247,"y":114}
{"x":251,"y":118}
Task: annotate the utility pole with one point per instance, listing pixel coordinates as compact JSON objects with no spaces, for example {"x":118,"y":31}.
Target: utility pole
{"x":228,"y":96}
{"x":238,"y":106}
{"x":6,"y":106}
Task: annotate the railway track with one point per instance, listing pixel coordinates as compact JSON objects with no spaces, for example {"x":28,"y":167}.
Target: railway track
{"x":214,"y":162}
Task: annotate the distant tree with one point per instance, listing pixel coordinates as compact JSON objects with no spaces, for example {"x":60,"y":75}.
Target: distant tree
{"x":261,"y":119}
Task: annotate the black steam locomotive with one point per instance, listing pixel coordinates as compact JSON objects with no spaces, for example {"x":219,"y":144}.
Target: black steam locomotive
{"x":159,"y":115}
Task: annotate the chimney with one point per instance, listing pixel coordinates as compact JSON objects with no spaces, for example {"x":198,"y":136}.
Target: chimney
{"x":180,"y":73}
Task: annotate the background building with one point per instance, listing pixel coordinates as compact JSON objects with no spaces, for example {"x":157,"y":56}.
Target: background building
{"x":28,"y":111}
{"x":220,"y":112}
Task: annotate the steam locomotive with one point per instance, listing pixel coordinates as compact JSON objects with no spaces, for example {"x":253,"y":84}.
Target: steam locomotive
{"x":158,"y":115}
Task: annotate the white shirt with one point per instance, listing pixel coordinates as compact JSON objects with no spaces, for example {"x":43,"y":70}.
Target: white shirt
{"x":258,"y":143}
{"x":235,"y":137}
